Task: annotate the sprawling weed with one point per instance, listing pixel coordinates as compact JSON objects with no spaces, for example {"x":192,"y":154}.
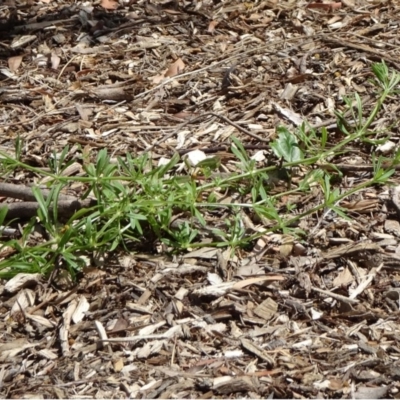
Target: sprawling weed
{"x":137,"y":204}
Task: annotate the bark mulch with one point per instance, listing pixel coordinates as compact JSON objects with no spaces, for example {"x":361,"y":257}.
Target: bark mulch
{"x":288,"y":319}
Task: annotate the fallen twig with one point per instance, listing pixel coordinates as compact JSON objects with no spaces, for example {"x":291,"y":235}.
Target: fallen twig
{"x":335,"y":296}
{"x":28,"y":209}
{"x":25,"y":193}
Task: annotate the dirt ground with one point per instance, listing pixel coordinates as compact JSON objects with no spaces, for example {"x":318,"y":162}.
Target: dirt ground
{"x":311,"y":319}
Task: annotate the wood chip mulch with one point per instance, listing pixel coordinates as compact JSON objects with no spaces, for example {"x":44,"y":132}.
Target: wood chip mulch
{"x":289,"y":319}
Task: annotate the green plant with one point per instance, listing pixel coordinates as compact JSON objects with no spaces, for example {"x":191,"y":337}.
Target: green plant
{"x":136,"y":202}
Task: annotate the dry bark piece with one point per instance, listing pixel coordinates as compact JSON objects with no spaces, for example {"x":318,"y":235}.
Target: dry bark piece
{"x":20,"y":281}
{"x":172,"y":332}
{"x":267,"y":309}
{"x":224,"y":287}
{"x":252,"y":348}
{"x":366,"y":392}
{"x":41,"y":320}
{"x":395,"y":197}
{"x":64,"y":328}
{"x":344,"y":278}
{"x":112,"y":93}
{"x":351,"y":250}
{"x":23,"y":301}
{"x":81,"y":308}
{"x":228,"y":384}
{"x":9,"y":350}
{"x":366,"y":281}
{"x":22,"y":40}
{"x":392,"y":226}
{"x":50,"y":355}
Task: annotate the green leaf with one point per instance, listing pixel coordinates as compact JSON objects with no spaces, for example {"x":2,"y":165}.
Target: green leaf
{"x":239,"y":151}
{"x":163,"y":169}
{"x":286,"y":146}
{"x":43,"y":212}
{"x":213,"y":163}
{"x":340,"y":211}
{"x":3,"y":214}
{"x":381,"y":71}
{"x":55,"y":198}
{"x":382,"y":176}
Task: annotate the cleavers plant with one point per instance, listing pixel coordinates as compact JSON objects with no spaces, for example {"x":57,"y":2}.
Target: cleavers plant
{"x":138,"y":204}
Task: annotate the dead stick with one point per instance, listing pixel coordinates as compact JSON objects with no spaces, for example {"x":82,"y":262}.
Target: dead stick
{"x":25,"y":192}
{"x":335,"y":296}
{"x":28,"y":209}
{"x":377,"y":55}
